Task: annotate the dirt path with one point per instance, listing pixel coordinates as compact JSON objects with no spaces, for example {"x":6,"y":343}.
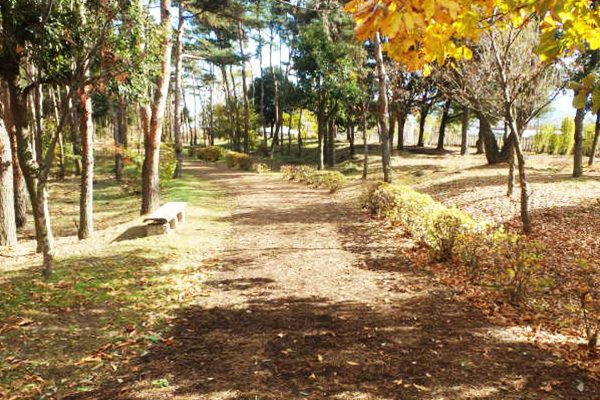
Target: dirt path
{"x":312,"y":300}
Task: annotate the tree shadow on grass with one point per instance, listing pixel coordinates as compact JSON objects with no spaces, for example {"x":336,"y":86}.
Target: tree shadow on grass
{"x":91,"y":302}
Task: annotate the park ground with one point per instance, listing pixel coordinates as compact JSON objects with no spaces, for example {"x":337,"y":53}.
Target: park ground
{"x":274,"y":290}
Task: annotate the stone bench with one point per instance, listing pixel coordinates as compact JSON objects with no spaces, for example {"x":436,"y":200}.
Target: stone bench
{"x":165,"y":219}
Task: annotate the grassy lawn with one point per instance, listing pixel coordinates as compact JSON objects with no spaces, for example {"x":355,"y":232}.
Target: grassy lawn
{"x":111,"y":297}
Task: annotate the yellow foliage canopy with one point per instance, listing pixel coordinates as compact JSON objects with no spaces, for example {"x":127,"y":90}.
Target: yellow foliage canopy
{"x":423,"y":32}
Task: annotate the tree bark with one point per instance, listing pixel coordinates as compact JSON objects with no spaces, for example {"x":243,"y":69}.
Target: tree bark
{"x":464,"y":134}
{"x":19,"y":186}
{"x":443,"y":124}
{"x":178,"y":93}
{"x":8,"y":225}
{"x":383,"y":111}
{"x":525,"y":192}
{"x":289,"y":134}
{"x":150,"y":178}
{"x":61,"y":147}
{"x":73,"y":128}
{"x":241,"y":36}
{"x":511,"y":173}
{"x":595,"y":142}
{"x":321,"y":128}
{"x":365,"y":171}
{"x":121,"y":132}
{"x":401,"y":123}
{"x":300,"y":134}
{"x":331,"y":133}
{"x":34,"y":176}
{"x":86,"y":200}
{"x":351,"y":140}
{"x":392,"y":127}
{"x":492,"y":152}
{"x":422,"y":120}
{"x":578,"y":148}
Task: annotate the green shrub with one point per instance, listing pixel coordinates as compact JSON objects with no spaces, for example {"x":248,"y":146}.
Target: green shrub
{"x":518,"y":260}
{"x":231,"y":159}
{"x":241,"y":160}
{"x":509,"y":261}
{"x":542,"y":139}
{"x":168,"y":162}
{"x":444,"y":228}
{"x":210,"y":153}
{"x":331,"y":180}
{"x":245,"y":162}
{"x":472,"y":248}
{"x":567,"y":137}
{"x":588,"y":138}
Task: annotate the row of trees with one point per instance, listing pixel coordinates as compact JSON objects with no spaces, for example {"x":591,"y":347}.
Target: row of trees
{"x":54,"y":57}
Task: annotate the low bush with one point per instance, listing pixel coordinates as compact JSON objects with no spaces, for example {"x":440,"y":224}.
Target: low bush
{"x":331,"y":180}
{"x":261,"y":168}
{"x":241,"y":160}
{"x":509,"y":261}
{"x":444,"y":228}
{"x":210,"y":153}
{"x":245,"y":162}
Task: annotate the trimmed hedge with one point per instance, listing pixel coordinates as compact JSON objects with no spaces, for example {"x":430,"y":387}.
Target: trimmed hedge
{"x":240,"y":160}
{"x":210,"y":153}
{"x":507,"y":260}
{"x":332,"y":180}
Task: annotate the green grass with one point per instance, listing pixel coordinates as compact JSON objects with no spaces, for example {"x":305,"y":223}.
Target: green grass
{"x":108,"y":301}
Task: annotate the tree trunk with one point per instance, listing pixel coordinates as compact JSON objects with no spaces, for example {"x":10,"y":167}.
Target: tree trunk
{"x":86,"y":200}
{"x":401,"y":123}
{"x":236,"y":137}
{"x":511,"y":173}
{"x":150,"y":178}
{"x":61,"y":147}
{"x":464,"y":133}
{"x":8,"y":226}
{"x":525,"y":192}
{"x":73,"y":128}
{"x":492,"y":152}
{"x":351,"y":140}
{"x":331,"y":133}
{"x":422,"y":120}
{"x":241,"y":36}
{"x":365,"y":172}
{"x":595,"y":142}
{"x":443,"y":124}
{"x":300,"y":134}
{"x":31,"y":171}
{"x":19,"y":186}
{"x":392,"y":128}
{"x":178,"y":93}
{"x":120,"y":137}
{"x":38,"y":115}
{"x":321,"y":134}
{"x":383,"y":111}
{"x":289,"y":134}
{"x":276,"y":99}
{"x":578,"y":149}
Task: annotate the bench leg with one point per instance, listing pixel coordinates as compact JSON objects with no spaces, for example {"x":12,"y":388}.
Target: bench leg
{"x":157,"y":229}
{"x":173,"y":223}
